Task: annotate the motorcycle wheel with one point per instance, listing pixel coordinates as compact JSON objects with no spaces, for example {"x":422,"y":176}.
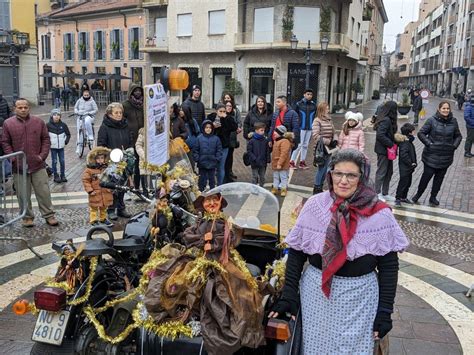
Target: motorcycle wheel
{"x":67,"y":347}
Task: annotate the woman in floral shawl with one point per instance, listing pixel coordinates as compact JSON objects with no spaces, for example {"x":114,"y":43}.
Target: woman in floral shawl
{"x":351,"y":240}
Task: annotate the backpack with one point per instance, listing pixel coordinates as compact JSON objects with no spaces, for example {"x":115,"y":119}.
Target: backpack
{"x":246,"y":159}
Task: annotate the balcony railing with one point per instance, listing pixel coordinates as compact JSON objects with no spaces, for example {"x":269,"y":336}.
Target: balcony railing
{"x":155,"y":44}
{"x":270,"y":39}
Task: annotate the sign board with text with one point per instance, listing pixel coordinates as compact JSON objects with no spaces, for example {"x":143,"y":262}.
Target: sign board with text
{"x":157,"y":124}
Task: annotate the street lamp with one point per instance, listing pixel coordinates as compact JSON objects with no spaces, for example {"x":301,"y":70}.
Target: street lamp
{"x":324,"y":42}
{"x":16,"y":42}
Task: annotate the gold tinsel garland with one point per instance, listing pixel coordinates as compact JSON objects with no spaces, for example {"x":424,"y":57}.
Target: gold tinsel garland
{"x":278,"y":269}
{"x":85,"y":296}
{"x":152,"y":168}
{"x":242,"y":266}
{"x":199,"y":270}
{"x":63,"y":285}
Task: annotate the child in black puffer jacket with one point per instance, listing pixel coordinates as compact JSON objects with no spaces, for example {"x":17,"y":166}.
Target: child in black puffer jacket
{"x":207,"y":152}
{"x":59,"y":135}
{"x":258,"y":152}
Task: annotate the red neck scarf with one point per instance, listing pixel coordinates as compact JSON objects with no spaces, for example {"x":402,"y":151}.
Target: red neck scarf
{"x":341,"y":229}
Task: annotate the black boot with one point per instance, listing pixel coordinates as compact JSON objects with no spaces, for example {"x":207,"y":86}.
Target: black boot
{"x":63,"y":178}
{"x":317,"y":189}
{"x":57,"y":179}
{"x":434,"y":201}
{"x":415,"y":198}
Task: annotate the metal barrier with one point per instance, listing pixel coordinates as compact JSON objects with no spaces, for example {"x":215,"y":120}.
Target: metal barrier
{"x":10,"y":211}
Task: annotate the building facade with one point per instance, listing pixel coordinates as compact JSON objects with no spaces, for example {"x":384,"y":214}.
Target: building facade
{"x":441,"y":56}
{"x":19,"y":15}
{"x":93,"y":37}
{"x":250,"y":41}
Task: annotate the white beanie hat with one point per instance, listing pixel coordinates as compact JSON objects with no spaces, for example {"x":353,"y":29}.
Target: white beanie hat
{"x":359,"y":116}
{"x":351,"y":116}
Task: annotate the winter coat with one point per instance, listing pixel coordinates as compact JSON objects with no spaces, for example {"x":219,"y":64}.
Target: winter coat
{"x":192,"y":137}
{"x":86,"y":107}
{"x":59,"y":134}
{"x":197,"y":109}
{"x":384,"y":137}
{"x":91,"y":178}
{"x":30,"y":136}
{"x":5,"y":111}
{"x":178,"y":128}
{"x":406,"y":155}
{"x":469,"y":115}
{"x":354,"y":139}
{"x":140,"y":149}
{"x":133,"y":114}
{"x":417,"y":104}
{"x":441,"y":137}
{"x":228,"y":125}
{"x":323,"y":127}
{"x":114,"y":134}
{"x":208,"y":150}
{"x":258,"y":151}
{"x":291,"y":121}
{"x":254,"y":116}
{"x":307,"y":112}
{"x":281,"y":152}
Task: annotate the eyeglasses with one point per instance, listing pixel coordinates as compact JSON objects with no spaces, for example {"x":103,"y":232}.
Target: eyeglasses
{"x":350,"y":177}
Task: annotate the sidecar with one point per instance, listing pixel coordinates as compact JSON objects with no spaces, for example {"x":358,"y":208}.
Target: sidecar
{"x":255,"y":213}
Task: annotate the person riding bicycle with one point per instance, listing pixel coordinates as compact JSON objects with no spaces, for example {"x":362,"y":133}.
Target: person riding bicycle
{"x":86,"y":108}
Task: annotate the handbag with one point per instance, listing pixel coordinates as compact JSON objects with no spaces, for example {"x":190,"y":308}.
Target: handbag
{"x":392,"y":152}
{"x":319,"y":153}
{"x":233,"y":141}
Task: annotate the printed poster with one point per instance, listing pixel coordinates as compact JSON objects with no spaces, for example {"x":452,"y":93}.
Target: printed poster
{"x":157,"y":124}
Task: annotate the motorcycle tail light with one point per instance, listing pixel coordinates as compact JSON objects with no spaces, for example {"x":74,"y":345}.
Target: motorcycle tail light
{"x":277,"y":329}
{"x":21,"y":307}
{"x":50,"y":299}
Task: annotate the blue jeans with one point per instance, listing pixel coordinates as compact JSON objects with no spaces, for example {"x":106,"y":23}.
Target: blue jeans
{"x":221,"y":168}
{"x":55,"y":154}
{"x":321,"y":173}
{"x":206,"y":175}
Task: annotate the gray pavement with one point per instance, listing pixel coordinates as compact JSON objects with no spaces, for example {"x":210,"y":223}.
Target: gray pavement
{"x":440,"y":236}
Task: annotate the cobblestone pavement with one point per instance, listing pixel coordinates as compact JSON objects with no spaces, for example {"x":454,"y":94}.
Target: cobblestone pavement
{"x":432,"y":315}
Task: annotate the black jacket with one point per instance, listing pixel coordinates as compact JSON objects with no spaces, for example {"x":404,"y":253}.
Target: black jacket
{"x":114,"y":134}
{"x":197,"y":109}
{"x":133,"y":114}
{"x":178,"y":128}
{"x":417,"y":104}
{"x":254,"y":116}
{"x":4,"y":110}
{"x":258,"y":151}
{"x":406,"y":156}
{"x":385,"y":136}
{"x":228,"y":125}
{"x":441,"y":137}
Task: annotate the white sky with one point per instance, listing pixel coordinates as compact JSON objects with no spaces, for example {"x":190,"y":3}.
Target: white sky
{"x":399,"y":12}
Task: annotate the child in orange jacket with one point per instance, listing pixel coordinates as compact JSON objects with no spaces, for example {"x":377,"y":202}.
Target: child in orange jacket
{"x":281,"y":159}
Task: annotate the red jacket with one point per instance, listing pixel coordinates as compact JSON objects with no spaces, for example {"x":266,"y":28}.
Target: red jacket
{"x":30,"y":136}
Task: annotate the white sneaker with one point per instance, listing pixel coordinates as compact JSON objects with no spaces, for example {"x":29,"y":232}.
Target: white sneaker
{"x":381,"y":198}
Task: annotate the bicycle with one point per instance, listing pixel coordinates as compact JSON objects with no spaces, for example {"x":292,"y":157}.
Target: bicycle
{"x":82,"y":140}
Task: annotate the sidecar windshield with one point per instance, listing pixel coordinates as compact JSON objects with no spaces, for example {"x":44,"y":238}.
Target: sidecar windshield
{"x":250,"y":206}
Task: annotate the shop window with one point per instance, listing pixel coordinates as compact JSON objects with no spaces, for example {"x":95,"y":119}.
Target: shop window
{"x":219,"y":79}
{"x":261,"y":84}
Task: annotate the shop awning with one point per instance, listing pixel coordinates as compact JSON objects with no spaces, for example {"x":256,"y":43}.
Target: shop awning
{"x":262,"y":66}
{"x":221,"y":66}
{"x":197,"y":66}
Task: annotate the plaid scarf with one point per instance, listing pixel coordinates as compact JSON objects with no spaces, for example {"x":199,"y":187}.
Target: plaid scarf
{"x":341,"y":229}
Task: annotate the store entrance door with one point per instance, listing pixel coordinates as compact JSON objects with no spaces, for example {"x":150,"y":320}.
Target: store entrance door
{"x":297,"y":81}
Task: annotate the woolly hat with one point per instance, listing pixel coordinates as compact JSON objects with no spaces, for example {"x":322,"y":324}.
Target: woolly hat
{"x":55,"y":111}
{"x":196,"y":87}
{"x":281,"y":130}
{"x":350,"y":116}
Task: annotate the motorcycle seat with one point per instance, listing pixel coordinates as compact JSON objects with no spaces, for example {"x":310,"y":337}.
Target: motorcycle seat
{"x":130,"y":244}
{"x":96,"y":247}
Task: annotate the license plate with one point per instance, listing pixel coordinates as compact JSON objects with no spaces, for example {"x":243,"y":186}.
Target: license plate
{"x":50,"y":327}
